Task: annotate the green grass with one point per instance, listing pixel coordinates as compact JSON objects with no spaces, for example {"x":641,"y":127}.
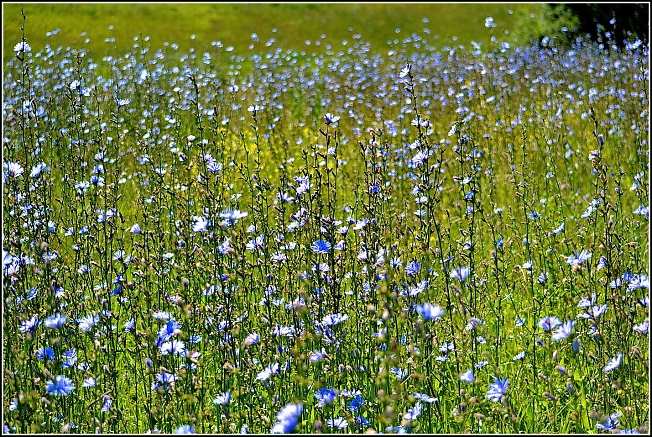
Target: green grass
{"x":92,"y":147}
{"x":233,"y":24}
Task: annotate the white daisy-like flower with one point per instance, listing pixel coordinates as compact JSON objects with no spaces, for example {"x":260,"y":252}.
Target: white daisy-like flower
{"x":22,"y":47}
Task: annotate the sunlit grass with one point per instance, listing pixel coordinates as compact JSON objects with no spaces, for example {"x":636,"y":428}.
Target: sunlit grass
{"x":387,"y":239}
{"x":289,"y":25}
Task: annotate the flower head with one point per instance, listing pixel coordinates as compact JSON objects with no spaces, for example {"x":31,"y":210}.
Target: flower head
{"x":317,"y":356}
{"x":460,"y":273}
{"x":69,"y":358}
{"x":174,"y":347}
{"x":412,"y":268}
{"x":429,"y":311}
{"x":87,"y":322}
{"x":233,"y":215}
{"x":321,"y":246}
{"x":325,"y":396}
{"x":549,"y":322}
{"x":420,"y":157}
{"x":519,"y":356}
{"x":201,"y":224}
{"x":578,"y":258}
{"x":638,"y":281}
{"x":563,"y":331}
{"x":270,"y":370}
{"x":642,"y":210}
{"x":593,"y":312}
{"x":425,"y":398}
{"x":107,"y":402}
{"x":44,"y":353}
{"x":61,"y":386}
{"x":167,"y":331}
{"x":405,"y":71}
{"x":13,"y":169}
{"x":55,"y":321}
{"x":356,"y":403}
{"x":642,"y":328}
{"x":338,"y":422}
{"x":467,"y":376}
{"x":37,"y":169}
{"x":558,"y":229}
{"x":256,"y":243}
{"x":334,"y":319}
{"x":222,"y":399}
{"x":610,"y":423}
{"x":497,"y":389}
{"x":252,"y":339}
{"x":414,"y":412}
{"x":166,"y":378}
{"x":613,"y":363}
{"x":22,"y":47}
{"x":330,"y":118}
{"x":543,"y":277}
{"x":29,"y":325}
{"x":287,"y":418}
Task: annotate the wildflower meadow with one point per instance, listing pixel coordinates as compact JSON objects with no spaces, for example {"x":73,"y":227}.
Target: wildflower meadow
{"x":398,"y":238}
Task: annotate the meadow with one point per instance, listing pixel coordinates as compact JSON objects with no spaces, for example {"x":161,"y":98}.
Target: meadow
{"x":301,"y":27}
{"x":391,"y":238}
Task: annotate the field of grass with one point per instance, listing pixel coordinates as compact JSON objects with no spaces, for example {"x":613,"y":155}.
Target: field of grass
{"x":290,"y":25}
{"x":407,"y":238}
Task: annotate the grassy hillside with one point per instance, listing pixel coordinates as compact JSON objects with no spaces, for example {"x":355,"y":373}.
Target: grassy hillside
{"x":291,"y":25}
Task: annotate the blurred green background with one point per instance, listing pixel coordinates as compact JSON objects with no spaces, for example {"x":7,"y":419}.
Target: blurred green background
{"x":234,"y":23}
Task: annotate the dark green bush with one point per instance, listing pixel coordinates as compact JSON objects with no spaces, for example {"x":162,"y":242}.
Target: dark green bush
{"x":562,"y":24}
